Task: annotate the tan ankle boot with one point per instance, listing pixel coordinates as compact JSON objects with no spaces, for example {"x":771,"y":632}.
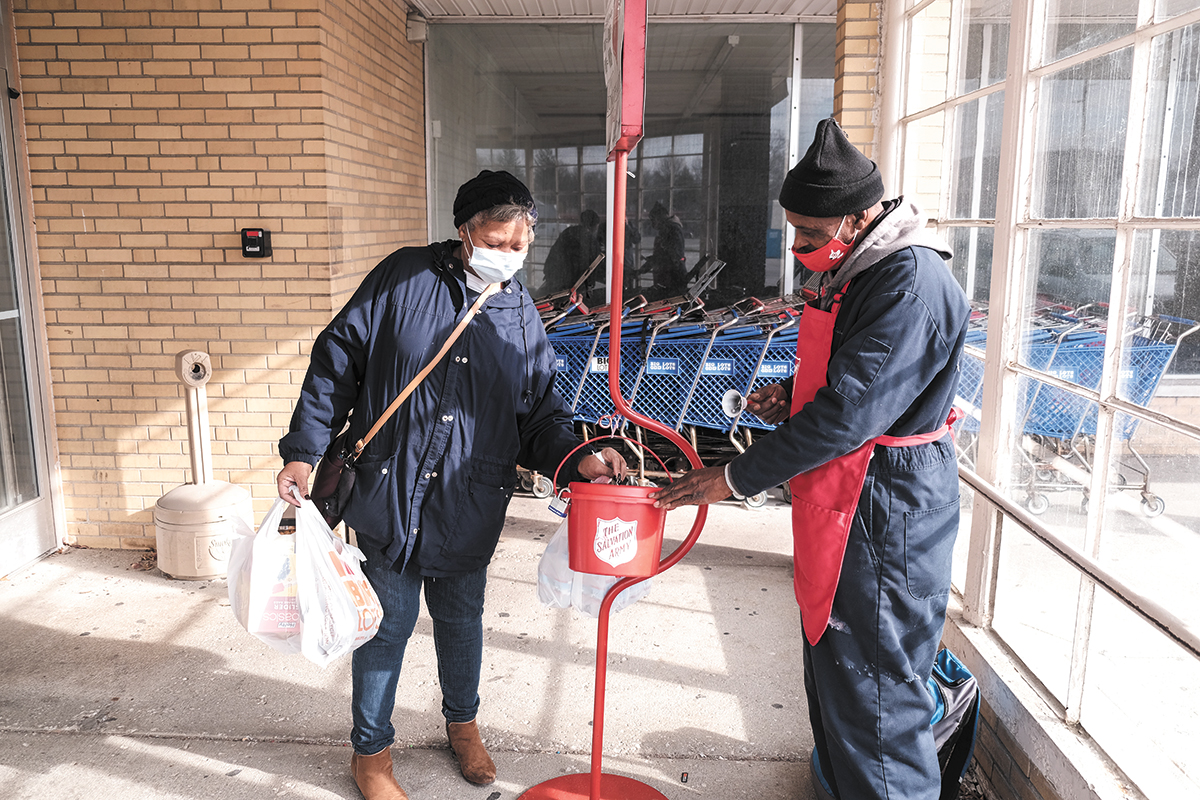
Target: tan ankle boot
{"x":374,"y":776}
{"x":473,"y":759}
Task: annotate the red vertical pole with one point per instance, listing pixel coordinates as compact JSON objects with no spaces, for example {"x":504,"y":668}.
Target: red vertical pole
{"x":635,"y":61}
{"x":617,"y":292}
{"x":598,"y":705}
{"x":621,"y":157}
{"x":622,"y":407}
{"x":633,"y":57}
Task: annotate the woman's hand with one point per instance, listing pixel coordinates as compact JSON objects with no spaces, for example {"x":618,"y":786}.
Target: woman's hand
{"x":770,"y":403}
{"x":696,"y":488}
{"x":610,"y":463}
{"x":294,"y":473}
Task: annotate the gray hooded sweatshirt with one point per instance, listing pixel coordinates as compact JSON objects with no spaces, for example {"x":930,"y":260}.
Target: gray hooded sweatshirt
{"x":900,"y":226}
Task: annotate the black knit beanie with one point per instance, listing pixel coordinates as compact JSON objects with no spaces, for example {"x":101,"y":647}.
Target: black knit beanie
{"x":833,"y":178}
{"x":487,"y":190}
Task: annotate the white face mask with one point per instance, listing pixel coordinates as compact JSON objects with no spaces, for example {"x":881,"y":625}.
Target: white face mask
{"x":493,"y":266}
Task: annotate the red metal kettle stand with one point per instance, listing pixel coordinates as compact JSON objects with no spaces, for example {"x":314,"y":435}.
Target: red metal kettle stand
{"x":598,"y":785}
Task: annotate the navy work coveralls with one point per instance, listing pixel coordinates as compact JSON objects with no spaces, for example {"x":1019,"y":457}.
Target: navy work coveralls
{"x":893,"y":370}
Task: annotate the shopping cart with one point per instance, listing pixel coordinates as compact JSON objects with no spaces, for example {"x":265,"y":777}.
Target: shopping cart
{"x":1059,"y":426}
{"x":677,"y":361}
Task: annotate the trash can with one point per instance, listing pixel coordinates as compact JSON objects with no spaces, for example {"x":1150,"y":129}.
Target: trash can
{"x":194,"y":523}
{"x":194,"y":528}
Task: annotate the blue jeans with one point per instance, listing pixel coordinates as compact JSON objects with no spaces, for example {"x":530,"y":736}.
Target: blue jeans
{"x":456,"y":607}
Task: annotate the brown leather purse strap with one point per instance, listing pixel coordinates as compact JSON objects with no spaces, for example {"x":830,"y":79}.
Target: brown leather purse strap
{"x":487,"y":292}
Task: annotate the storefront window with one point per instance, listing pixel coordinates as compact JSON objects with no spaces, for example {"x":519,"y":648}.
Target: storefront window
{"x":18,"y":480}
{"x":1165,"y":290}
{"x":972,"y":262}
{"x":1073,"y":26}
{"x":1165,"y":9}
{"x":531,"y":99}
{"x":929,"y":44}
{"x":1170,"y":177}
{"x":984,"y":59}
{"x":925,"y":162}
{"x":977,"y":156}
{"x":1081,"y":139}
{"x":1081,"y":217}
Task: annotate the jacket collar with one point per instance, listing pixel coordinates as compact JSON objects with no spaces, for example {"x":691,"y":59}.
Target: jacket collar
{"x":443,"y":267}
{"x":900,"y":226}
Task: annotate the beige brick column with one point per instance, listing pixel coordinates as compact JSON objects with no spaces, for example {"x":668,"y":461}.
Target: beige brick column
{"x":156,"y":131}
{"x":856,"y":72}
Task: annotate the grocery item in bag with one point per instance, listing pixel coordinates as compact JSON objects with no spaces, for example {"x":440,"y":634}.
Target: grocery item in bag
{"x":339,"y":610}
{"x":263,"y":584}
{"x":305,"y":592}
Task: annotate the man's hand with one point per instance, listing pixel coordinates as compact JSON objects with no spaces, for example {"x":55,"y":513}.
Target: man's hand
{"x":696,"y":488}
{"x":613,"y":465}
{"x":771,"y":403}
{"x":294,"y":473}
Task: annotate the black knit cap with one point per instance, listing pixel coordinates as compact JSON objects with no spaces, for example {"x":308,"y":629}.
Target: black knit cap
{"x":833,"y":178}
{"x":487,"y":190}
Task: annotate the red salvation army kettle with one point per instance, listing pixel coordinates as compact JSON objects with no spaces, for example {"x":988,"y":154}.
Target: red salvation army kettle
{"x":613,"y":529}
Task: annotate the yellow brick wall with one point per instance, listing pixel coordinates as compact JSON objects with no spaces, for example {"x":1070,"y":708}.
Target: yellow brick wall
{"x":155,"y":132}
{"x":375,"y":138}
{"x":856,"y":72}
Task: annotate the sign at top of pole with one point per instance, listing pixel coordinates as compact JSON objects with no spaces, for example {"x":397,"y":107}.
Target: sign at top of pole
{"x":625,"y":71}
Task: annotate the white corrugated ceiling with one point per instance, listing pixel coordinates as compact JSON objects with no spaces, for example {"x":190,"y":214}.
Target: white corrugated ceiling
{"x":474,"y":9}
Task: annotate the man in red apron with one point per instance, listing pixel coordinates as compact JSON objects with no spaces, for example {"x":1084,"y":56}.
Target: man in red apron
{"x":864,"y":442}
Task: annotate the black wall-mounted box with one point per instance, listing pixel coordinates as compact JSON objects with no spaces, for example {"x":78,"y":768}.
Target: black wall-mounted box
{"x":256,"y":242}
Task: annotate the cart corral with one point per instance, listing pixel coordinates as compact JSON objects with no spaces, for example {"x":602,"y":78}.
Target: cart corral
{"x":679,"y":361}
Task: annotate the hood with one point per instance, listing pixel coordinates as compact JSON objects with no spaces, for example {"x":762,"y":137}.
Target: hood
{"x":902,"y":225}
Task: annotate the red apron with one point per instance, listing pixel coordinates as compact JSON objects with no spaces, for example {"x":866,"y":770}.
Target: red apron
{"x":824,"y":498}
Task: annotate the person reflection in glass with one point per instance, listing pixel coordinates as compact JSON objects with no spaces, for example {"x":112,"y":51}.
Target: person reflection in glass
{"x":666,"y":261}
{"x":572,"y":253}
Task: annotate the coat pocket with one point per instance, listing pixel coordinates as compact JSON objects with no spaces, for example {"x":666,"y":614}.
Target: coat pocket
{"x":480,"y":519}
{"x":370,"y":507}
{"x":929,"y":536}
{"x":868,"y":361}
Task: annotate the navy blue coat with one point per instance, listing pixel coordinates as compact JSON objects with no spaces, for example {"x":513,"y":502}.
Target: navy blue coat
{"x":435,"y":482}
{"x":893,"y":370}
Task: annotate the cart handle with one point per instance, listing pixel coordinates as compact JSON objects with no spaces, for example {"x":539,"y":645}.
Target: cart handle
{"x":1179,"y":320}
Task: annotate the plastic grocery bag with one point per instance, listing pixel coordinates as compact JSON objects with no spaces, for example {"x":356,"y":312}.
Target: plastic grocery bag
{"x":559,"y":586}
{"x":339,"y":611}
{"x":262,"y":582}
{"x":302,"y":593}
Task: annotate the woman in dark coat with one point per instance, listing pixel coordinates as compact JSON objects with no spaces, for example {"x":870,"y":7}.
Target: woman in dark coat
{"x":434,"y":484}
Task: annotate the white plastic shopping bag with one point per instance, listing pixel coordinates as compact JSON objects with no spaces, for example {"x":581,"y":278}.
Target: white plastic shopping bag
{"x":262,"y":582}
{"x":302,"y":593}
{"x":339,"y":611}
{"x":559,"y":586}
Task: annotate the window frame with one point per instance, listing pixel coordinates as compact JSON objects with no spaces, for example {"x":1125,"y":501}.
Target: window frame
{"x":1013,"y":225}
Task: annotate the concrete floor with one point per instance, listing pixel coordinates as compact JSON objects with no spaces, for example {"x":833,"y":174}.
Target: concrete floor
{"x":120,"y":682}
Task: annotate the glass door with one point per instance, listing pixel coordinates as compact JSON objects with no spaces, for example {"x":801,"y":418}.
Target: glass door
{"x":27,"y":524}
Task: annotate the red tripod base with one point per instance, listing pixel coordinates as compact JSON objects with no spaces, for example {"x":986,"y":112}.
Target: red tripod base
{"x":579,"y":787}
